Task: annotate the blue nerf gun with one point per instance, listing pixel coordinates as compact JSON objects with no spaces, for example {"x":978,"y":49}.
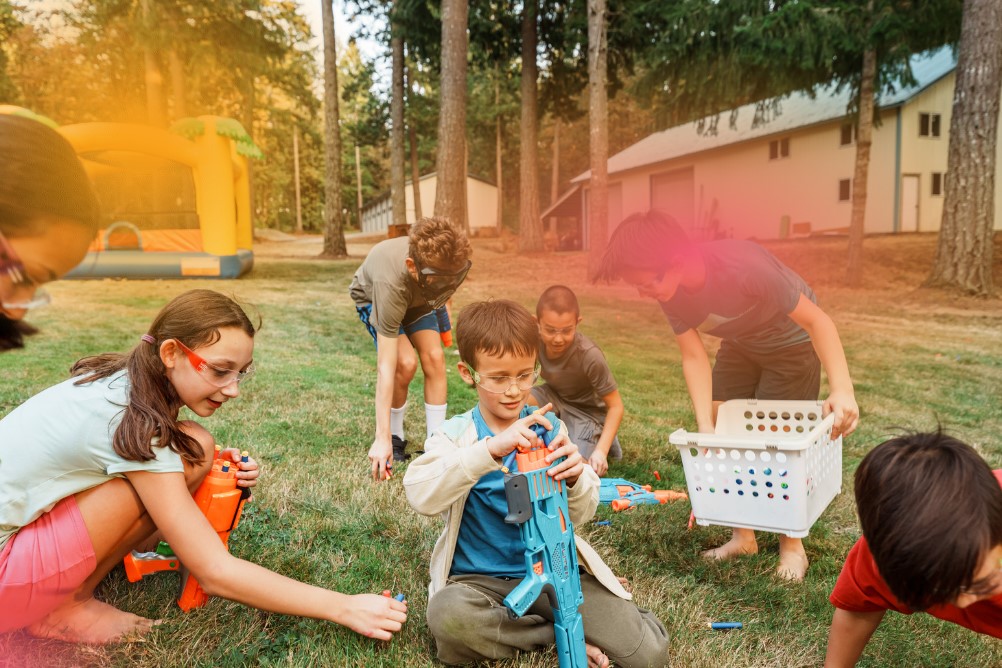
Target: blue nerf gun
{"x":622,"y":494}
{"x":538,"y":505}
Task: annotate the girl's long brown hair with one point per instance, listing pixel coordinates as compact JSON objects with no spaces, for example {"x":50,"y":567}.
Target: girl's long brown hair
{"x":194,"y":318}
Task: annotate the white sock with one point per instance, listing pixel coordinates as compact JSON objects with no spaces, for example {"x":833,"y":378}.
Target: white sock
{"x":434,"y":416}
{"x":397,"y":421}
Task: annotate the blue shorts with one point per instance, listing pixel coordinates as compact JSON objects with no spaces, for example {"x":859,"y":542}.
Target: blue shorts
{"x":427,"y":321}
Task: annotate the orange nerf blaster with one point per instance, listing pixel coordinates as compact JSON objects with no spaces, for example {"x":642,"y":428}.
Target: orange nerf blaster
{"x":222,"y":502}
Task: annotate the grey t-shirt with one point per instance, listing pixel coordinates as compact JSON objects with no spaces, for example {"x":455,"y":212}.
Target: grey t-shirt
{"x":384,"y":282}
{"x":59,"y":442}
{"x":580,"y":377}
{"x":746,"y":298}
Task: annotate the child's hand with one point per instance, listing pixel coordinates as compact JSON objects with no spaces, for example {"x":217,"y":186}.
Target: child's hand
{"x":374,"y":616}
{"x":599,"y":462}
{"x":519,"y":434}
{"x":572,"y":467}
{"x":381,"y":458}
{"x":247,"y":471}
{"x":843,"y":405}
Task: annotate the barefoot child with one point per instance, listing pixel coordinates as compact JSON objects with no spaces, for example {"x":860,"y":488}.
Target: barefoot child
{"x":931,"y":514}
{"x":578,"y":381}
{"x":479,"y":559}
{"x":397,"y":291}
{"x":771,"y":329}
{"x":93,"y":466}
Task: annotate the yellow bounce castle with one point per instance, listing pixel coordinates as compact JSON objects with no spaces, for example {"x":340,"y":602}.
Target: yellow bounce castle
{"x":174,"y":203}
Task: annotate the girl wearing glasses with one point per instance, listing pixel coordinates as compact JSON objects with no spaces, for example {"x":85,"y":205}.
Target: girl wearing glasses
{"x":48,"y":216}
{"x":94,"y":466}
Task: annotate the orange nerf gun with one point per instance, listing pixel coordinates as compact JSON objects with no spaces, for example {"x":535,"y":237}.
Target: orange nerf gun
{"x":222,"y":502}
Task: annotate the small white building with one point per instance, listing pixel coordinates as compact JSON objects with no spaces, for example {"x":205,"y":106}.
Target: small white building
{"x":481,"y":204}
{"x":792,"y":174}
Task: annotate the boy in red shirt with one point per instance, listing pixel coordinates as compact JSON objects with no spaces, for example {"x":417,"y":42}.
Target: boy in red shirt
{"x":931,"y":514}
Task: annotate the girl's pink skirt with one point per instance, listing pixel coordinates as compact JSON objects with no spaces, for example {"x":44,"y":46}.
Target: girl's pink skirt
{"x":42,"y":564}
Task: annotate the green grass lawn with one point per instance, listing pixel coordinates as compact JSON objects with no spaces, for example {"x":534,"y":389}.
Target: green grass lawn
{"x":917,"y":357}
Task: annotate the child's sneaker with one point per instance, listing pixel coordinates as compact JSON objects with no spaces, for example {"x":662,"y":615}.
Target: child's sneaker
{"x":399,"y":446}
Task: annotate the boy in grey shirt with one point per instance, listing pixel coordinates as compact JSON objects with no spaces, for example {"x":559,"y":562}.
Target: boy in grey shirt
{"x":396,"y":291}
{"x":579,"y":382}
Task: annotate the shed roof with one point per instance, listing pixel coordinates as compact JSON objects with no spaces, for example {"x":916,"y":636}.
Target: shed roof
{"x":798,"y":110}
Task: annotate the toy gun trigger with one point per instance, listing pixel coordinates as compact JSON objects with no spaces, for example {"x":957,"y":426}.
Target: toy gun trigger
{"x":516,"y":490}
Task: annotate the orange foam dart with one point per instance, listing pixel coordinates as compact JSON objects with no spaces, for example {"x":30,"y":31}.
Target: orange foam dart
{"x":657,"y":476}
{"x":666,"y":495}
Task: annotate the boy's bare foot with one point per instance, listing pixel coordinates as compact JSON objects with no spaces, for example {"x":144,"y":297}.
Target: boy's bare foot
{"x":742,"y":542}
{"x":90,"y":621}
{"x":792,"y":559}
{"x":596,"y":657}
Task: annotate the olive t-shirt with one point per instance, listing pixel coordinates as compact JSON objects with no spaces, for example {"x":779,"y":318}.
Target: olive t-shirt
{"x":580,"y":377}
{"x":384,"y":282}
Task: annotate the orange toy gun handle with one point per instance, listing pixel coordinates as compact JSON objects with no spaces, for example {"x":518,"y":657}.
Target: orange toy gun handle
{"x":136,"y":567}
{"x":222,"y":502}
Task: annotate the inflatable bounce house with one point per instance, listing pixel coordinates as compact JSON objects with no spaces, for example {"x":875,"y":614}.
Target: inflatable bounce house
{"x":174,"y":203}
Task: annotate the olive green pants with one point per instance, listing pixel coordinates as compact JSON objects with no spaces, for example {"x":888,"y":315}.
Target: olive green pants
{"x":470,"y":622}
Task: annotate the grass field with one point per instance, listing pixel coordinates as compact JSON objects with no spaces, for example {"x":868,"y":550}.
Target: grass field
{"x":918,"y":357}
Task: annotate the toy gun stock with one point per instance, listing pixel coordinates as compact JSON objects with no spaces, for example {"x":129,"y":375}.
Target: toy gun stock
{"x":538,"y":505}
{"x":622,"y":494}
{"x":222,"y":502}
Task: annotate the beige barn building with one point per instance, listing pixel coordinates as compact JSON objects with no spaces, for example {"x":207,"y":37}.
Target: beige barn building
{"x":481,"y":205}
{"x":791,"y":175}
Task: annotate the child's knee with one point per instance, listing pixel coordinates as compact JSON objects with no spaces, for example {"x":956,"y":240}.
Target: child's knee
{"x":433,"y":361}
{"x":406,"y":366}
{"x":653,"y":649}
{"x":208,"y":445}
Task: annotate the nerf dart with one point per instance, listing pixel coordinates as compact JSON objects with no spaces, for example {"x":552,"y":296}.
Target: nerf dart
{"x":398,"y":597}
{"x":444,"y":326}
{"x":722,"y":626}
{"x":222,"y":502}
{"x":538,"y":505}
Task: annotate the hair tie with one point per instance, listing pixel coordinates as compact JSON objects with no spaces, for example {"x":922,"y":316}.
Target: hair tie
{"x":149,"y":339}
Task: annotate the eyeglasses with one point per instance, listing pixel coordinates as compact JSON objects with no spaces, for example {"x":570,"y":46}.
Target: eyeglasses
{"x":501,"y":384}
{"x":215,"y":375}
{"x":25,"y":294}
{"x":551,"y":331}
{"x":437,"y":285}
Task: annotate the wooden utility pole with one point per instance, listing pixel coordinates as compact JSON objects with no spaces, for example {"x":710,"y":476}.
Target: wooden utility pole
{"x":295,"y":172}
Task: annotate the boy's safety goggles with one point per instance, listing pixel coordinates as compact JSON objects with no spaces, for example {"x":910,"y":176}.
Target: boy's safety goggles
{"x":437,"y":285}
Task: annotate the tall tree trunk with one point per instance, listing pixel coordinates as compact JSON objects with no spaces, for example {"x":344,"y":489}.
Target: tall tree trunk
{"x":555,"y":172}
{"x":412,"y":136}
{"x":358,"y":184}
{"x":295,"y":174}
{"x":964,"y":255}
{"x":450,"y":163}
{"x":864,"y":139}
{"x":398,"y":196}
{"x":247,"y":119}
{"x":334,"y":243}
{"x":530,"y":232}
{"x":155,"y":106}
{"x":598,"y":135}
{"x":177,"y":86}
{"x":498,"y":152}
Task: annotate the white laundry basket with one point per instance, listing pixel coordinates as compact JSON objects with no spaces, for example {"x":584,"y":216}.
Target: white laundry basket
{"x":770,"y":466}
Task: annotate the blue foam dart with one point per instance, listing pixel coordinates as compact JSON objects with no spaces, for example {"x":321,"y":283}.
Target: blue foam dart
{"x":538,"y":505}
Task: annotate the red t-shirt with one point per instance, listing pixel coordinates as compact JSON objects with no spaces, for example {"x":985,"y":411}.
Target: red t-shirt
{"x":860,"y":588}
